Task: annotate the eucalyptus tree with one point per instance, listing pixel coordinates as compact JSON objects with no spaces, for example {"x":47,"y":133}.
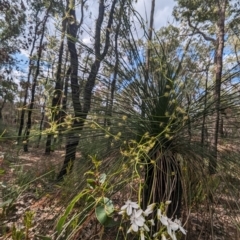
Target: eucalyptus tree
{"x":12,"y":21}
{"x":57,"y":94}
{"x":36,"y":73}
{"x":81,"y":110}
{"x":209,"y":19}
{"x":31,"y":42}
{"x":8,"y":89}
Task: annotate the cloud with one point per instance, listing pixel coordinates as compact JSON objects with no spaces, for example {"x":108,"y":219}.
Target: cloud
{"x":87,"y":40}
{"x":163,"y":11}
{"x":24,"y":52}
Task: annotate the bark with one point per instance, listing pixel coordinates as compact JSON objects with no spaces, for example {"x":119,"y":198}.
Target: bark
{"x":203,"y":135}
{"x":1,"y":108}
{"x":218,"y":79}
{"x":72,"y":138}
{"x":150,"y":31}
{"x":218,"y":62}
{"x":81,"y":112}
{"x":34,"y":83}
{"x":1,"y":117}
{"x":42,"y":113}
{"x":114,"y":81}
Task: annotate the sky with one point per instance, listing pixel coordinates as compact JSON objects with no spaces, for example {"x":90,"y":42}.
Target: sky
{"x":163,"y":11}
{"x":162,"y":16}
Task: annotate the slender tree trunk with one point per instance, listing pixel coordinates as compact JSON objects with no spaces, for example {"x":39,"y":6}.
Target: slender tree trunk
{"x":28,"y":81}
{"x":1,"y":108}
{"x":57,"y":95}
{"x":34,"y":84}
{"x":114,"y":81}
{"x":81,"y":112}
{"x":203,"y":135}
{"x":218,"y":79}
{"x":73,"y":137}
{"x":148,"y":55}
{"x":64,"y":103}
{"x":1,"y":116}
{"x":43,"y":113}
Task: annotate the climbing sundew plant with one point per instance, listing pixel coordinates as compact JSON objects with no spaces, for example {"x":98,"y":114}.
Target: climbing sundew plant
{"x":106,"y":199}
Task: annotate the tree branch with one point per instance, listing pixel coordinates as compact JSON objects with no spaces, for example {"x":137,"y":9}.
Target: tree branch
{"x":198,"y":31}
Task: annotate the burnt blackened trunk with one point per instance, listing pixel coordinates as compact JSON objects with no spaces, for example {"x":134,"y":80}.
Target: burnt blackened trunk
{"x":73,"y":137}
{"x":81,"y":112}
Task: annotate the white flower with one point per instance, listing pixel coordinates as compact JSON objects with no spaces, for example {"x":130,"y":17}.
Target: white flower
{"x":129,"y":206}
{"x":172,"y":227}
{"x":149,"y":209}
{"x":167,"y":202}
{"x":180,"y":226}
{"x":137,"y":220}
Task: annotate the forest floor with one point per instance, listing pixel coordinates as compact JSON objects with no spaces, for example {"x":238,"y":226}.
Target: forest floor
{"x":28,"y":190}
{"x":28,"y":187}
{"x":19,"y":196}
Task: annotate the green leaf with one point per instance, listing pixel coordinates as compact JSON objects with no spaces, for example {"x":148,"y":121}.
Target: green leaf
{"x":109,"y":208}
{"x":102,"y":178}
{"x":2,"y":171}
{"x":103,"y":211}
{"x":91,"y":182}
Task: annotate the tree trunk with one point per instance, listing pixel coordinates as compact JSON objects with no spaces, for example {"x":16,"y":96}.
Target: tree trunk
{"x":73,"y":137}
{"x":81,"y":112}
{"x":57,"y":95}
{"x":43,"y":112}
{"x":203,"y":135}
{"x":150,"y":31}
{"x":34,"y":84}
{"x":28,"y":81}
{"x":1,"y":117}
{"x":218,"y":78}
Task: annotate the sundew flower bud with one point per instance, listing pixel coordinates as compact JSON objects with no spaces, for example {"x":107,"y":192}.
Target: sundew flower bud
{"x":149,"y":209}
{"x":142,"y":235}
{"x":146,"y":228}
{"x":159,"y":214}
{"x":151,"y":221}
{"x":163,"y":237}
